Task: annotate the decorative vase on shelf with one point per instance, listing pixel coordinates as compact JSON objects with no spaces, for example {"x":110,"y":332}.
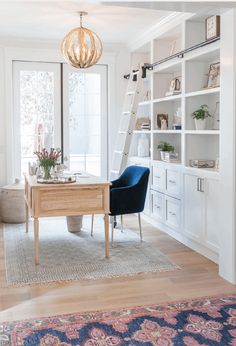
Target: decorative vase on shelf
{"x":143,"y":146}
{"x":200,"y":124}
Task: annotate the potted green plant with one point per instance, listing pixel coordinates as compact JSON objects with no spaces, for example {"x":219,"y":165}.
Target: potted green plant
{"x":200,"y":115}
{"x":165,"y":150}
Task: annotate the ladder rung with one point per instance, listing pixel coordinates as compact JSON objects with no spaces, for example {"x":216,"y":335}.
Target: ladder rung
{"x":114,"y":171}
{"x":122,"y":132}
{"x":126,"y":112}
{"x":119,"y":152}
{"x":130,"y":93}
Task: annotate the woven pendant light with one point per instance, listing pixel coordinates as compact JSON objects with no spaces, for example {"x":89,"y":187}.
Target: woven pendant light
{"x":81,"y":47}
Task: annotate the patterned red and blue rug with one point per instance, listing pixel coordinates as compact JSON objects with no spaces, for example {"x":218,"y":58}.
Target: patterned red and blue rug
{"x":199,"y":322}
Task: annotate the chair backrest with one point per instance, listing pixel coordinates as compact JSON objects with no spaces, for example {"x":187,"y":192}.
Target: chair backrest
{"x":134,"y":175}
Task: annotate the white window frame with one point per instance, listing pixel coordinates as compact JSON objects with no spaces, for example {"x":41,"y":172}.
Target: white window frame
{"x":19,"y":66}
{"x":102,"y":70}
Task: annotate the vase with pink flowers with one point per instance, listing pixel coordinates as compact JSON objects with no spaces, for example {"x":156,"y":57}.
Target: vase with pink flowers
{"x":48,"y":159}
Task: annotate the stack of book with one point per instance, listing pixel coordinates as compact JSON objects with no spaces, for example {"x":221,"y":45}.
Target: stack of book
{"x":145,"y":126}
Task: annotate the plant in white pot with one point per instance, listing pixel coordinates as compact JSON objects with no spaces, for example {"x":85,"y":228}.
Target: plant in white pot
{"x":165,"y":149}
{"x":200,"y":115}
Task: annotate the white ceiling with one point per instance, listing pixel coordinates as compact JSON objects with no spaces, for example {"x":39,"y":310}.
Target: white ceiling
{"x":53,"y":19}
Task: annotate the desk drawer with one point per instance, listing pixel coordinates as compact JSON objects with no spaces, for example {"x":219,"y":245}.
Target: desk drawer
{"x":69,"y":201}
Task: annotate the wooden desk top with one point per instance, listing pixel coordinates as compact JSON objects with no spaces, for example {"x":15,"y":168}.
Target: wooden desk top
{"x":85,"y":180}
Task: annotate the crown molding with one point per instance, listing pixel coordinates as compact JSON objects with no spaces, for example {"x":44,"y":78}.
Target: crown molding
{"x":158,"y":29}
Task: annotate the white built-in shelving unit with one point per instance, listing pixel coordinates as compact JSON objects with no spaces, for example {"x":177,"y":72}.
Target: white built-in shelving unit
{"x":181,"y":200}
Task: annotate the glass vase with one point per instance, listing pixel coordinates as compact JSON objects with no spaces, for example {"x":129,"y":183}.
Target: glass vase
{"x":46,"y":172}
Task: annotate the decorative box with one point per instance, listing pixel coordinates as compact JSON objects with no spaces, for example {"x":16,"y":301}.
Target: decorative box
{"x":202,"y":163}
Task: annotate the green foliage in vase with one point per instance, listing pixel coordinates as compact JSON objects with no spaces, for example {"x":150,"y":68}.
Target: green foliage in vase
{"x":201,"y":113}
{"x":165,"y":146}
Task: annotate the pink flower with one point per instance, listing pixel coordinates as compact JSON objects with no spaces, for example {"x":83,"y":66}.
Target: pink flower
{"x":99,"y":338}
{"x":51,"y":340}
{"x":232,"y":318}
{"x":208,"y":329}
{"x":154,"y":333}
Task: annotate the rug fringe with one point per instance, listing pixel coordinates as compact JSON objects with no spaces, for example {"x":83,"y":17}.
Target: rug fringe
{"x":111,"y":276}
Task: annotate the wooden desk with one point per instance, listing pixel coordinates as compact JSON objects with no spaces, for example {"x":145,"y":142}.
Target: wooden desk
{"x":88,"y":195}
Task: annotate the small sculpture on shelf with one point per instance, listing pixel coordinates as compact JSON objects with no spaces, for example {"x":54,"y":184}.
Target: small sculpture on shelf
{"x":177,"y":120}
{"x":175,"y":87}
{"x":147,"y":96}
{"x":167,"y":152}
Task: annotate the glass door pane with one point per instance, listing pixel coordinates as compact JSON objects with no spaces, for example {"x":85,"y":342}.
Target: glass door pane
{"x":37,"y":115}
{"x":85,"y":119}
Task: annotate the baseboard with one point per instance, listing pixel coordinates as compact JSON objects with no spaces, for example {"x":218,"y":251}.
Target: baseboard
{"x":204,"y":251}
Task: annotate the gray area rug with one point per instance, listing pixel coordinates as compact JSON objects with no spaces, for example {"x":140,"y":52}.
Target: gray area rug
{"x":68,"y":256}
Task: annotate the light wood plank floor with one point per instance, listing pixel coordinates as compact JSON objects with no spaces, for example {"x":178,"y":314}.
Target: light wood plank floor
{"x":198,"y":277}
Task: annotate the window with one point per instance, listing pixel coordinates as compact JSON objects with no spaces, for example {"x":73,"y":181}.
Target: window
{"x":38,"y":115}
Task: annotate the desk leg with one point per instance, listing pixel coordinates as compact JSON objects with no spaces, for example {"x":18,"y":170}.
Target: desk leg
{"x":27,"y":218}
{"x":36,"y":240}
{"x":106,"y":224}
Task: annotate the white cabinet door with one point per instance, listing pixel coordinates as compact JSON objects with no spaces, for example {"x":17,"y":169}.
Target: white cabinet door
{"x":212,"y":213}
{"x":173,"y":181}
{"x":158,"y":178}
{"x":193,"y":207}
{"x":172,"y":212}
{"x":157,"y":205}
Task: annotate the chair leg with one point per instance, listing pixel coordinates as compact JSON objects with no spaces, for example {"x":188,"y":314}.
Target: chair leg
{"x":140,"y":227}
{"x":121,"y":222}
{"x":112,"y":229}
{"x":92,"y":221}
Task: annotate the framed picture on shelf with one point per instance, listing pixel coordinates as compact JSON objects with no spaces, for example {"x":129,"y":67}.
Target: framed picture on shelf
{"x":213,"y":80}
{"x":162,"y":121}
{"x":212,"y":27}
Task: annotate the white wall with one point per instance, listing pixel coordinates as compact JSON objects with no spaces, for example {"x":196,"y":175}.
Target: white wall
{"x":227,"y":260}
{"x":116,"y":56}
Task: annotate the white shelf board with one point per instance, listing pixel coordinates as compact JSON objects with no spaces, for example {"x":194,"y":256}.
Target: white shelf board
{"x":168,"y":131}
{"x":169,"y":163}
{"x":206,"y":53}
{"x":203,"y":170}
{"x":145,"y":103}
{"x":167,"y":98}
{"x":202,"y":132}
{"x":170,"y":66}
{"x":203,"y":92}
{"x":141,"y":131}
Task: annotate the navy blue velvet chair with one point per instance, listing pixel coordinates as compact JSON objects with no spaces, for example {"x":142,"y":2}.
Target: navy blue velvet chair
{"x":128,"y":193}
